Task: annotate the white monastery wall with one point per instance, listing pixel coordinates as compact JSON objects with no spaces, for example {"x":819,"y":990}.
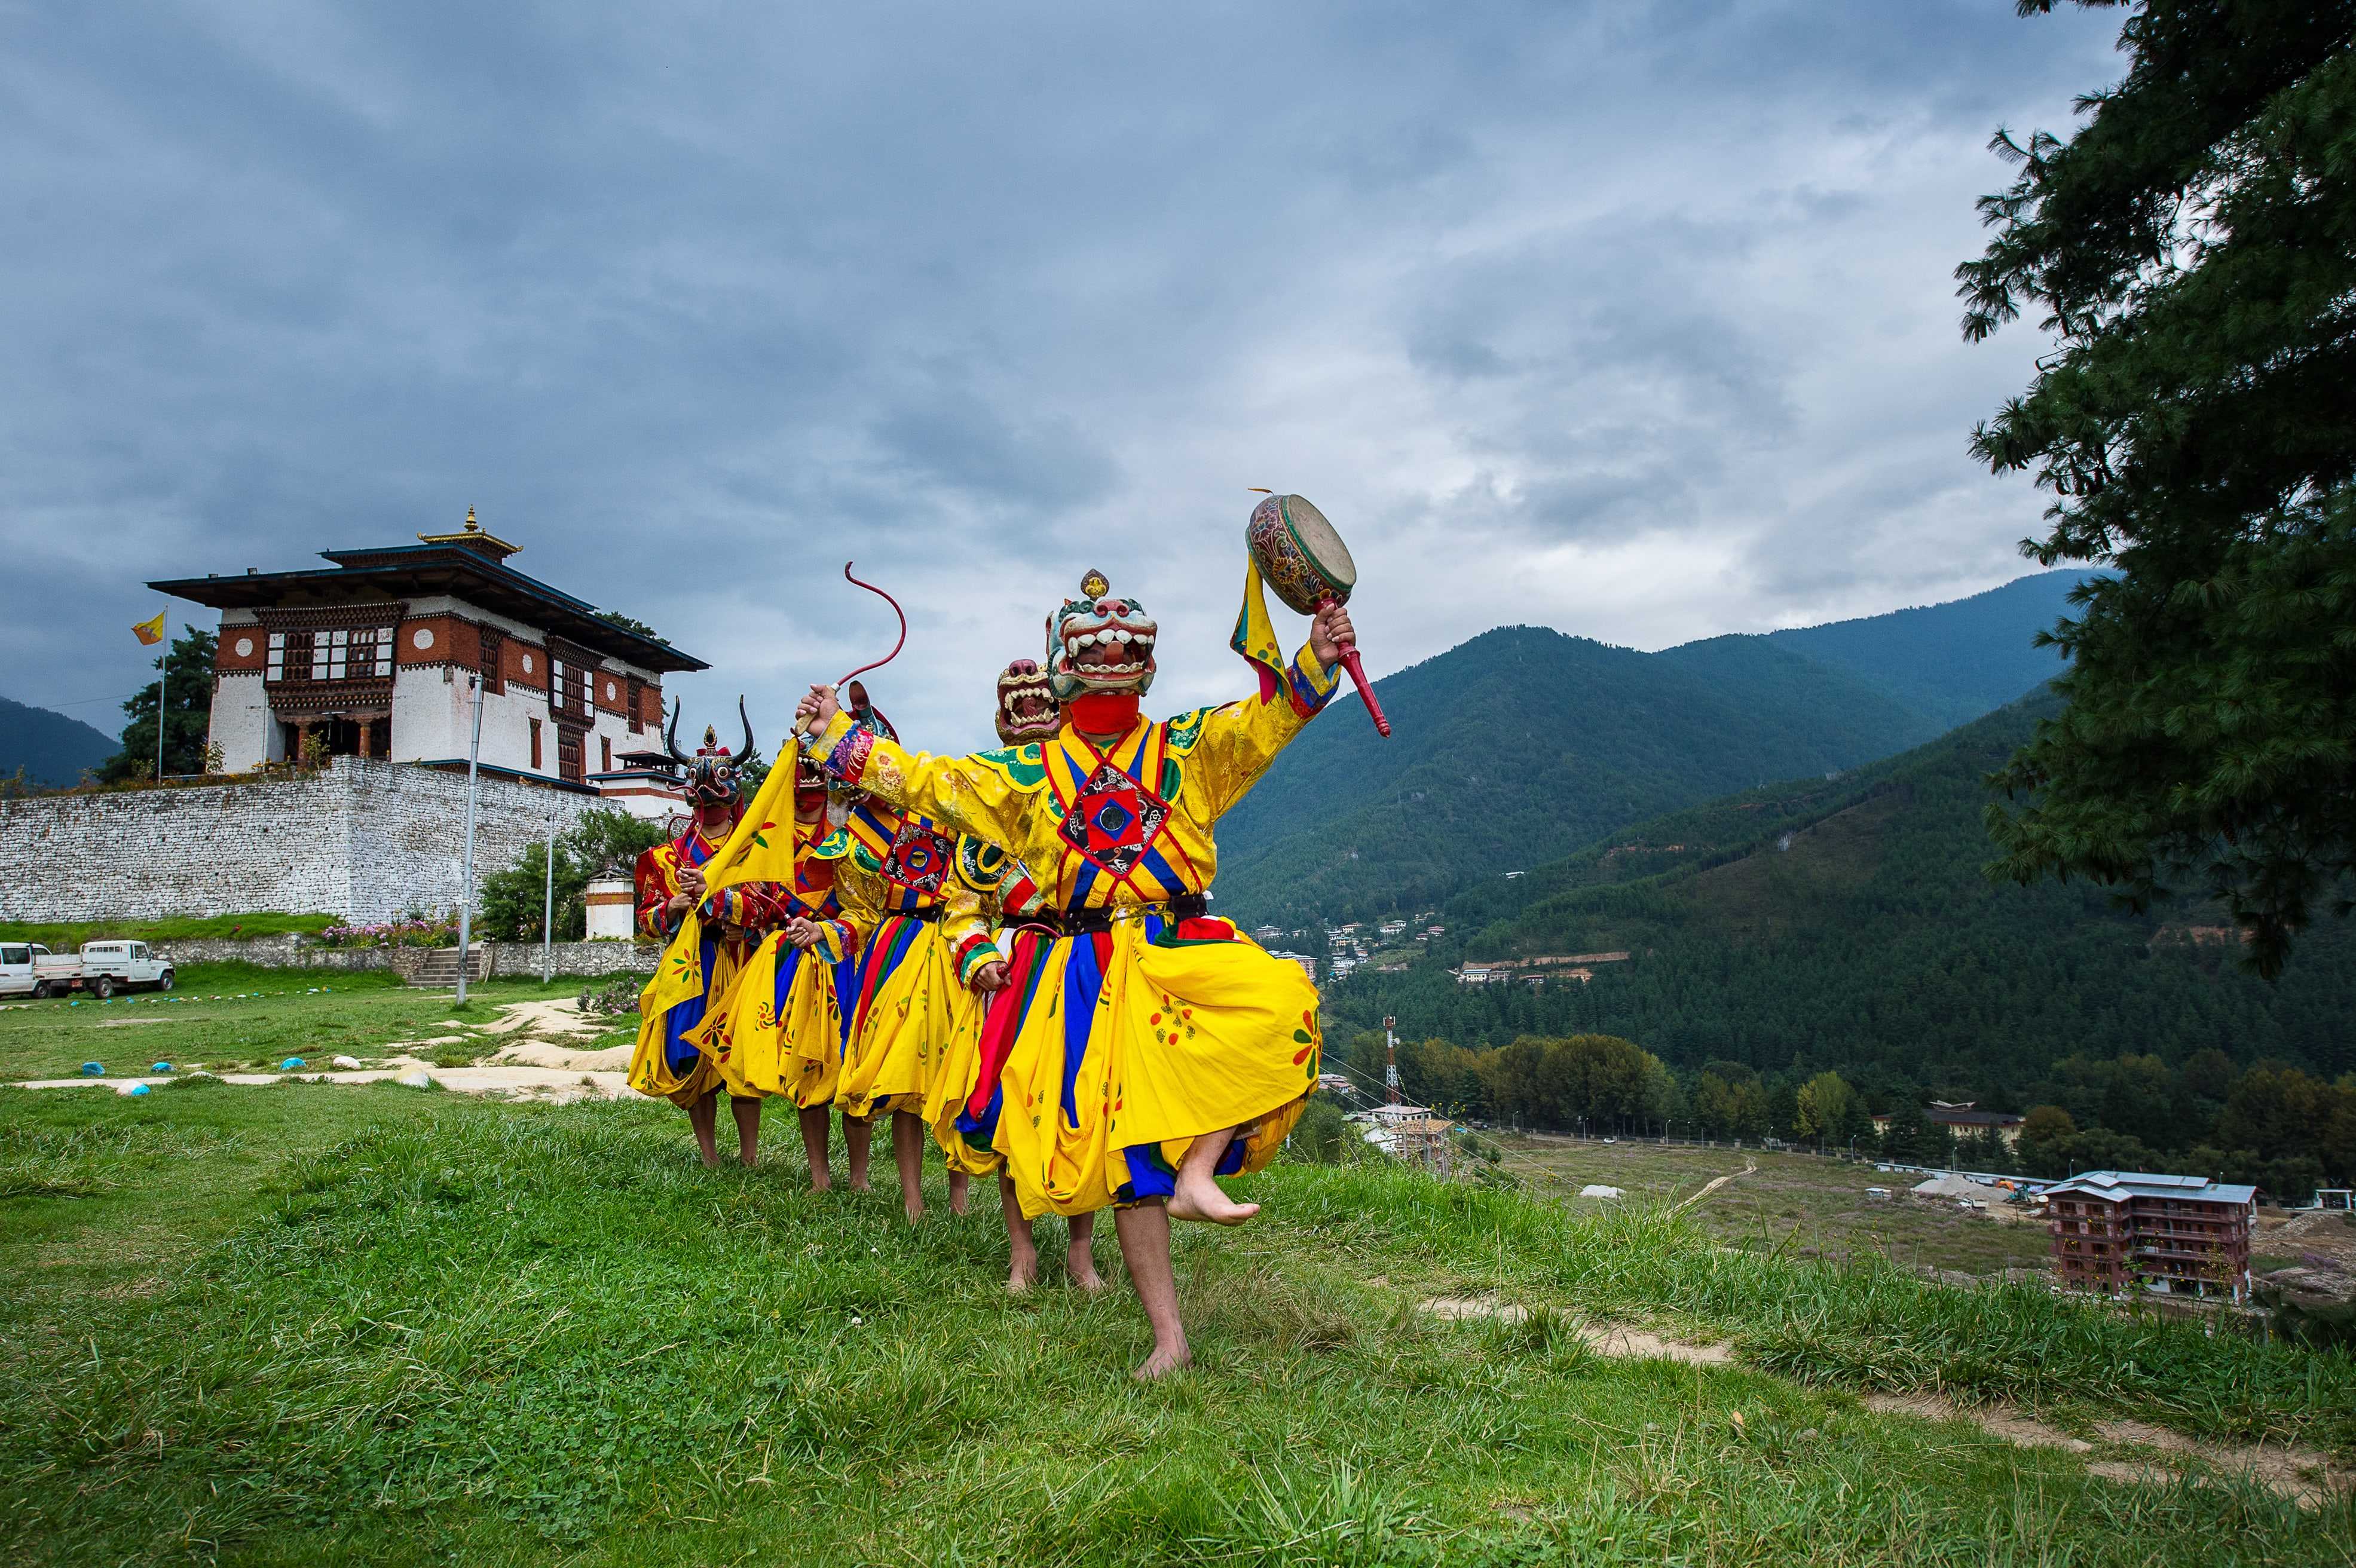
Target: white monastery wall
{"x":240,"y":721}
{"x":365,"y":839}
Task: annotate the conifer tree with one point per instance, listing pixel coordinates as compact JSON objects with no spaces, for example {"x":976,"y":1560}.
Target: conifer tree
{"x":2192,"y":248}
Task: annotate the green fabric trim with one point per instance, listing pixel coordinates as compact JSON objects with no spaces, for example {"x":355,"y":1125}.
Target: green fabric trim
{"x":1185,"y":729}
{"x":1019,"y":765}
{"x":833,"y":847}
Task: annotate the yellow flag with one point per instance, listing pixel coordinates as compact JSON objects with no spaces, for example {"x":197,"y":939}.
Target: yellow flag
{"x":759,"y":849}
{"x":150,"y":633}
{"x":1255,"y":638}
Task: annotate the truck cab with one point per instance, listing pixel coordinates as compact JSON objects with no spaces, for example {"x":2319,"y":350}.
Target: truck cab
{"x":17,"y":977}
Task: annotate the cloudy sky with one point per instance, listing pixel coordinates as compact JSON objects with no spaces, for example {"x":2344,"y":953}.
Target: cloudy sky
{"x":1631,"y":319}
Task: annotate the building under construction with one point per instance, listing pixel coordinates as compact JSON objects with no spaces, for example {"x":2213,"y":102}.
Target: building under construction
{"x":2177,"y":1235}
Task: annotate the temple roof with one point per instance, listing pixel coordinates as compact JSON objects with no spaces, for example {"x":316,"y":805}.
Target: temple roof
{"x":467,"y":565}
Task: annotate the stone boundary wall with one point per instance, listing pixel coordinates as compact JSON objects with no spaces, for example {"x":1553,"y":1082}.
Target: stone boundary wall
{"x":363,"y":840}
{"x":515,"y":959}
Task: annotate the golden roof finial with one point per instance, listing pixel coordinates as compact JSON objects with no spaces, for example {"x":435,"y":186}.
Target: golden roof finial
{"x":472,"y":526}
{"x":1094,"y":584}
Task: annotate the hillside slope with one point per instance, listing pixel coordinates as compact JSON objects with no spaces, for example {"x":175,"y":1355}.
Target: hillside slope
{"x":1516,"y":747}
{"x":1846,"y":923}
{"x":1951,"y":662}
{"x":51,"y":748}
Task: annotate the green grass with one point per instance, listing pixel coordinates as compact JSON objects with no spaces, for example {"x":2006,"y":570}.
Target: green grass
{"x":310,"y":1324}
{"x":66,"y":937}
{"x":239,"y":1015}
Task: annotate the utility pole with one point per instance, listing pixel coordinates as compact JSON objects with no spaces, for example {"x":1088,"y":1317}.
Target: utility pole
{"x":548,"y":898}
{"x":1390,"y":1062}
{"x":466,"y":897}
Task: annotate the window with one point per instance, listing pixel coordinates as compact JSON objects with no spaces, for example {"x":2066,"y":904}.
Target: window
{"x":535,"y":743}
{"x":277,"y":656}
{"x":637,"y":701}
{"x":490,"y":644}
{"x":604,"y":754}
{"x":556,"y":684}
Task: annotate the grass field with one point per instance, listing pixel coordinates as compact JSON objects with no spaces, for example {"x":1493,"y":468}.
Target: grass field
{"x":239,"y":1015}
{"x":66,"y":938}
{"x":313,"y":1323}
{"x":1796,"y":1203}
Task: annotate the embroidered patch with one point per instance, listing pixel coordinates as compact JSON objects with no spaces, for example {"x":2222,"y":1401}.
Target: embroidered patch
{"x":919,"y":858}
{"x":1114,"y":820}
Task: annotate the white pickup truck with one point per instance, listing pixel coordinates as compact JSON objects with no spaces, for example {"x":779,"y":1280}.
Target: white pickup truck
{"x":101,"y":969}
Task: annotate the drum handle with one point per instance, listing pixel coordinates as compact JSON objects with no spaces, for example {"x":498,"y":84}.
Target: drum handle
{"x":1358,"y":676}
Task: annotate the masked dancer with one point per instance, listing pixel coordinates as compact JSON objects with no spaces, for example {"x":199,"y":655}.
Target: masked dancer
{"x":967,"y":1097}
{"x":910,"y":995}
{"x":671,"y":890}
{"x":1156,"y":1048}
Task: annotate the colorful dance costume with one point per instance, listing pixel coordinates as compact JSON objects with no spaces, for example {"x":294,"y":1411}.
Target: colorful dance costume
{"x":1143,"y":1023}
{"x":907,"y":997}
{"x":668,"y":1062}
{"x":781,"y":1030}
{"x":1011,"y":905}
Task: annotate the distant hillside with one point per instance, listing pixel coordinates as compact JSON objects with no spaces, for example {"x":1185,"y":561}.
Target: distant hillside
{"x":1951,"y":662}
{"x":51,"y":748}
{"x":1518,"y":746}
{"x":1847,"y":925}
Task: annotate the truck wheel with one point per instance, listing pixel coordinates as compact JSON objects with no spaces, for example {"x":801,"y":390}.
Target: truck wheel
{"x":41,"y":992}
{"x":105,"y":987}
{"x":165,"y":983}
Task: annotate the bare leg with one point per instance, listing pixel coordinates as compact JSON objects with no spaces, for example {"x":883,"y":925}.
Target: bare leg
{"x":747,"y":1112}
{"x":1080,"y":1257}
{"x":814,"y":1137}
{"x":908,"y":1154}
{"x":704,"y":1117}
{"x":1144,"y":1232}
{"x":960,"y":1188}
{"x":1198,"y":1197}
{"x":1022,"y":1246}
{"x":856,"y":1135}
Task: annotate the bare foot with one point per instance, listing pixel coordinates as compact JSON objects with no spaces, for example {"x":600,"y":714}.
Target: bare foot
{"x":821,"y":1183}
{"x":1083,"y":1274}
{"x":957,"y":1203}
{"x":1162,"y":1362}
{"x":1200,"y":1197}
{"x":860,"y":1187}
{"x":711,"y":1161}
{"x":1021,"y":1273}
{"x":915,"y":1211}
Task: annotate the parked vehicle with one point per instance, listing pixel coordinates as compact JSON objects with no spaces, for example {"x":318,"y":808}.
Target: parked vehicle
{"x":101,"y":969}
{"x":17,"y":977}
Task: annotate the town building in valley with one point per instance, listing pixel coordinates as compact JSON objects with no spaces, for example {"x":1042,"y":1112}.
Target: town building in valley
{"x":2177,"y":1235}
{"x":372,"y":656}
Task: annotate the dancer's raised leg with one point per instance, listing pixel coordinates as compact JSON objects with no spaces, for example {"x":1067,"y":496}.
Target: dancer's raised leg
{"x":1198,"y":1196}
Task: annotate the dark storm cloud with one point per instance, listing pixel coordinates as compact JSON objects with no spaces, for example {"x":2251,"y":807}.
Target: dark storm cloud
{"x":1632,"y":318}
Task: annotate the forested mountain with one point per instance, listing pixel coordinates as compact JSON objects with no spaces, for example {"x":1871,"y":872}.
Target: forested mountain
{"x":1522,"y":745}
{"x":1518,"y":746}
{"x":1846,"y":924}
{"x":51,"y":748}
{"x":1950,"y":662}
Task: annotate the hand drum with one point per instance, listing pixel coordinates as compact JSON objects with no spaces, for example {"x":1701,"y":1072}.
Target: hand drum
{"x":1300,"y":555}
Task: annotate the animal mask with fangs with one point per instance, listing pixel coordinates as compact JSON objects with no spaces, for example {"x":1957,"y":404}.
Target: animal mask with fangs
{"x":1097,"y":642}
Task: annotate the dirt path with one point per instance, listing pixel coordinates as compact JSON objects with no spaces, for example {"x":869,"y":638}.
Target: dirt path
{"x":1749,"y":1166}
{"x":2305,"y":1475}
{"x":531,"y":1068}
{"x":2123,"y":1450}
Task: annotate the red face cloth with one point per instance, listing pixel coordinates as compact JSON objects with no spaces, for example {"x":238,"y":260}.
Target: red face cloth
{"x":1103,"y":712}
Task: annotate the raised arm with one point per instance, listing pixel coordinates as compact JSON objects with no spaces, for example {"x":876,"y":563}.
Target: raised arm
{"x":983,"y":794}
{"x":1237,"y":742}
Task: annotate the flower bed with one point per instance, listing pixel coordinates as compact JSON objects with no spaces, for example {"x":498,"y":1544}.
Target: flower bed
{"x":394,"y":933}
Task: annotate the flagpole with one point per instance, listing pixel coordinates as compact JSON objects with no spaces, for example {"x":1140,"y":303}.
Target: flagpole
{"x":163,"y":672}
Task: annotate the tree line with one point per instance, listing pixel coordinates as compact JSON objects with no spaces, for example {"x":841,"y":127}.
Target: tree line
{"x":2271,"y":1124}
